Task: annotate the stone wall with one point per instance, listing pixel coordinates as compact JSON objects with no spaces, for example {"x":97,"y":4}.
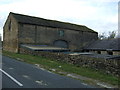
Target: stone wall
{"x":110,"y":66}
{"x":10,"y":35}
{"x":34,"y":34}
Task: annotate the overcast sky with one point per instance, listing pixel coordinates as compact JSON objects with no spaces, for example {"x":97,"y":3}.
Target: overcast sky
{"x":99,"y":15}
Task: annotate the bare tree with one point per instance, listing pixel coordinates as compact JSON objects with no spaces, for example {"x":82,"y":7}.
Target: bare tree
{"x":102,"y":36}
{"x":112,"y":34}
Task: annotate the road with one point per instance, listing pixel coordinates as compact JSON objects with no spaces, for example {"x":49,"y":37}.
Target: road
{"x":17,"y":74}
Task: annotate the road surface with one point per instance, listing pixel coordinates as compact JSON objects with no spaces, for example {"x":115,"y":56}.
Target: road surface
{"x":17,"y":74}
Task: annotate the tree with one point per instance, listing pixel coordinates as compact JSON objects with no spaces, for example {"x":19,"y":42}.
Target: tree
{"x":102,"y":36}
{"x":112,"y":34}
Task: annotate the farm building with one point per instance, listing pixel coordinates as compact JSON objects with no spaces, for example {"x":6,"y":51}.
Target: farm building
{"x":109,"y":46}
{"x":21,"y":30}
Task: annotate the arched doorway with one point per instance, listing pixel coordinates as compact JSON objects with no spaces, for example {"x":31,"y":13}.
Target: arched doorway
{"x":61,"y":43}
{"x":110,"y":52}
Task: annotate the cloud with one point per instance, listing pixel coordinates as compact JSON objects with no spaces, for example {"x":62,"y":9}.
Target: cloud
{"x":99,"y":15}
{"x":100,"y":0}
{"x":50,"y":8}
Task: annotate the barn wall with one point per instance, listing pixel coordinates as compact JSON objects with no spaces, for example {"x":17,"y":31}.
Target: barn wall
{"x":26,"y":33}
{"x":10,"y":36}
{"x":47,"y":35}
{"x":32,"y":34}
{"x":88,"y":38}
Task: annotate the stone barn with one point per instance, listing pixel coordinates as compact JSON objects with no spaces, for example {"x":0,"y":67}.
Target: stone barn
{"x":28,"y":30}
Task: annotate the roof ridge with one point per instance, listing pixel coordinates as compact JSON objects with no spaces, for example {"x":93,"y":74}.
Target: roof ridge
{"x":47,"y":19}
{"x":47,"y":22}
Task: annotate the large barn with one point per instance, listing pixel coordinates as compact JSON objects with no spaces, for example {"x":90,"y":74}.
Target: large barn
{"x":28,"y":30}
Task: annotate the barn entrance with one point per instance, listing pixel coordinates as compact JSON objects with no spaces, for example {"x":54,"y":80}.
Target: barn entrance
{"x":61,"y":43}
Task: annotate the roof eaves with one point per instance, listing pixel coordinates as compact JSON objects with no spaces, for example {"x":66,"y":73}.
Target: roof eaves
{"x":50,"y":23}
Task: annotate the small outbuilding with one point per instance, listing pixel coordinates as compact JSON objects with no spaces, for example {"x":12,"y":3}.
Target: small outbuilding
{"x":109,"y":46}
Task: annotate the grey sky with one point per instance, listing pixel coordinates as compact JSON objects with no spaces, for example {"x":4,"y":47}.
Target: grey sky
{"x":99,"y":15}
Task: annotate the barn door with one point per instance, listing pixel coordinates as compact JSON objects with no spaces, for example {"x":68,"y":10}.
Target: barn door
{"x":61,"y":43}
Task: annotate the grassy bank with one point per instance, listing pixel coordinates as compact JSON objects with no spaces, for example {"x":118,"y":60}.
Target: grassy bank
{"x":60,"y":66}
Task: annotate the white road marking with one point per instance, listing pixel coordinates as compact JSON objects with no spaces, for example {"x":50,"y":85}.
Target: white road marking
{"x":11,"y":78}
{"x":10,"y":68}
{"x":40,"y":82}
{"x":25,"y":76}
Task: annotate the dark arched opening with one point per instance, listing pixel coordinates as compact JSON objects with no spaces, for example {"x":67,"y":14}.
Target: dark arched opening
{"x":99,"y":52}
{"x":60,"y":43}
{"x":110,"y":52}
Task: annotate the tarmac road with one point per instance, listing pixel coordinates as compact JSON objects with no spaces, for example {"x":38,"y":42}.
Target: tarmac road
{"x":17,"y":74}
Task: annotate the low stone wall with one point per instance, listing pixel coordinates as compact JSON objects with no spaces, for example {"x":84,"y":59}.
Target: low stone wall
{"x":110,"y":66}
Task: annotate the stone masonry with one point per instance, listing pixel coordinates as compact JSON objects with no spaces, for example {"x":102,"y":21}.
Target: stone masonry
{"x":108,"y":66}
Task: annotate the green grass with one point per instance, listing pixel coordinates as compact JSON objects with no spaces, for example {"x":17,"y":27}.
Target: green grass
{"x":49,"y":63}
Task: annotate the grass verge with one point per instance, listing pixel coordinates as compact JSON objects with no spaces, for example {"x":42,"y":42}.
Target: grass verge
{"x":60,"y":66}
